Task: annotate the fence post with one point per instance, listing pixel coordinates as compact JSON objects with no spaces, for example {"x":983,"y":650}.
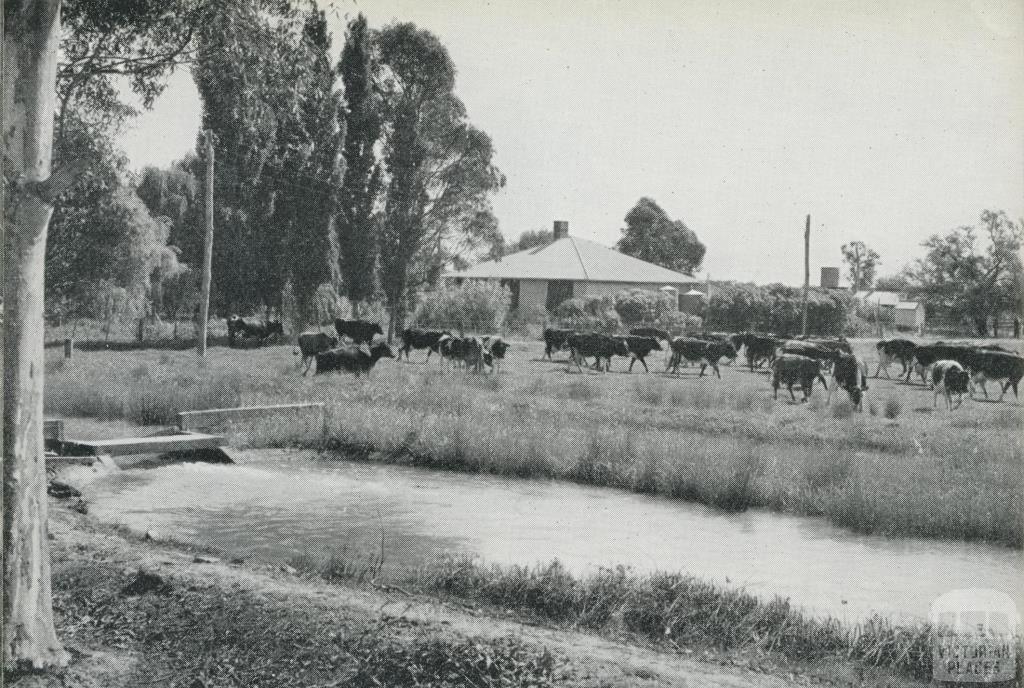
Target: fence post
{"x":69,"y":348}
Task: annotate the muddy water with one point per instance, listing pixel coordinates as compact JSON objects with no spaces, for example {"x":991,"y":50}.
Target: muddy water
{"x":278,"y":505}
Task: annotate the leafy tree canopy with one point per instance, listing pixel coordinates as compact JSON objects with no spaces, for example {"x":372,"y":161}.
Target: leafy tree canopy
{"x":963,"y":280}
{"x":532,"y":239}
{"x":861,"y":263}
{"x":651,"y":235}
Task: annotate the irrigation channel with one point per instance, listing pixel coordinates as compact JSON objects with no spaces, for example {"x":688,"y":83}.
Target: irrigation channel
{"x":279,"y":504}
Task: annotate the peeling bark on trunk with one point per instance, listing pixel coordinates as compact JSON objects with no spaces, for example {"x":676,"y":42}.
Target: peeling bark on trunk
{"x":31,"y":35}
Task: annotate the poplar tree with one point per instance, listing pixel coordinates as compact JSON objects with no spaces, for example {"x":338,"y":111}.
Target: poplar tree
{"x":357,"y":219}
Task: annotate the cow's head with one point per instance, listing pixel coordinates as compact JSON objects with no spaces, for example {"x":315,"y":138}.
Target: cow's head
{"x":380,"y":350}
{"x":621,"y":346}
{"x":956,"y":380}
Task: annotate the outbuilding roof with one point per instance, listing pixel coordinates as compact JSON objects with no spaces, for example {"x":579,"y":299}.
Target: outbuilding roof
{"x":907,"y":306}
{"x":573,"y":258}
{"x":882,"y":298}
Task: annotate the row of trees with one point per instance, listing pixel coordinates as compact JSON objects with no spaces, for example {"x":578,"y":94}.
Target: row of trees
{"x":361,"y":171}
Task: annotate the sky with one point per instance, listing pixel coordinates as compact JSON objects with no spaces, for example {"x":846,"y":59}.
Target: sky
{"x":885,"y":121}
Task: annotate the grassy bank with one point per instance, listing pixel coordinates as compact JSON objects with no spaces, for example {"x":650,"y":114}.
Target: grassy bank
{"x":135,"y":613}
{"x":671,"y":610}
{"x":166,"y":624}
{"x":900,"y":468}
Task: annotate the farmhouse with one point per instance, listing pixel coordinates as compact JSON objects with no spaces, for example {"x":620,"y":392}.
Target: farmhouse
{"x":571,"y":267}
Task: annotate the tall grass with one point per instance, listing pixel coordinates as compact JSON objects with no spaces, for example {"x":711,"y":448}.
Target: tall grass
{"x":725,"y":443}
{"x":673,"y":608}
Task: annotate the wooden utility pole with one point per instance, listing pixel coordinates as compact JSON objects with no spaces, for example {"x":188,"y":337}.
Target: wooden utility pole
{"x":204,"y":298}
{"x":807,"y":269}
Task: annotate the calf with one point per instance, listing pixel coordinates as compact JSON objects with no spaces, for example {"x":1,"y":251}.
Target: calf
{"x":699,"y":350}
{"x":311,"y":344}
{"x":494,"y":352}
{"x":639,"y":348}
{"x":790,"y":369}
{"x":352,"y":359}
{"x":600,"y":346}
{"x":359,"y":331}
{"x":420,"y":339}
{"x":927,"y":355}
{"x":851,"y":375}
{"x":901,"y":350}
{"x":949,"y":378}
{"x":992,"y":365}
{"x":651,"y":332}
{"x":556,"y":340}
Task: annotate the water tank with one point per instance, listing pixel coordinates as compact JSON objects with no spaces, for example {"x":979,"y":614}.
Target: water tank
{"x":830,"y":278}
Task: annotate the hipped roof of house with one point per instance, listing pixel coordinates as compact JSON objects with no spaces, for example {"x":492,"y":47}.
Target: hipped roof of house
{"x":572,"y":258}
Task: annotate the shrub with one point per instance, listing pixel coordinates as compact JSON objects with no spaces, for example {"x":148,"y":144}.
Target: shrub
{"x":842,"y":409}
{"x":892,"y":408}
{"x":778,"y":308}
{"x":527,"y":323}
{"x":474,"y":306}
{"x":594,"y":314}
{"x":641,"y":305}
{"x":677,"y":323}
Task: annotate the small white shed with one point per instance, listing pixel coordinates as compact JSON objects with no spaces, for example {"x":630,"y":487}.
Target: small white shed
{"x":908,"y":314}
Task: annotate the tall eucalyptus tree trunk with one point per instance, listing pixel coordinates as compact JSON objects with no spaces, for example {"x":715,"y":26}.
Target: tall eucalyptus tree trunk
{"x":31,"y":36}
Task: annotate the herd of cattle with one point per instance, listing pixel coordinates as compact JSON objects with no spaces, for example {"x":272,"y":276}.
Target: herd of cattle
{"x":360,"y":344}
{"x":952,"y":369}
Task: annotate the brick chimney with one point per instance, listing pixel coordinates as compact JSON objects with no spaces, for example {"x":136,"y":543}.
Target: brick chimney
{"x":561,"y":229}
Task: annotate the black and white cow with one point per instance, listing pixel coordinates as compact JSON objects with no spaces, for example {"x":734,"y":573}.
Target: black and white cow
{"x":949,"y":379}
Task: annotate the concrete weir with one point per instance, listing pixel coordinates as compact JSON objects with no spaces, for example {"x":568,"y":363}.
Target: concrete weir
{"x":169,"y":445}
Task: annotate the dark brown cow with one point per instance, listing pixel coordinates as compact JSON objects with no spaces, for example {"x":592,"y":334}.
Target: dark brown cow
{"x":791,"y":369}
{"x":311,"y":344}
{"x":352,"y":358}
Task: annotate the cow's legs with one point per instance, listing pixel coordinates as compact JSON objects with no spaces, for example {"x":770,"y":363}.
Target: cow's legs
{"x":790,"y":388}
{"x":702,"y":367}
{"x":643,"y":363}
{"x":718,"y":373}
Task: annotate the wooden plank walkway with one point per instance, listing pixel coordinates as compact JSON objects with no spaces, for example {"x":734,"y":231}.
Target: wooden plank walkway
{"x":199,"y":420}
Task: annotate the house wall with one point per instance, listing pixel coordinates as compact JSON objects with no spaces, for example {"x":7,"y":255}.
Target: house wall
{"x":532,"y":293}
